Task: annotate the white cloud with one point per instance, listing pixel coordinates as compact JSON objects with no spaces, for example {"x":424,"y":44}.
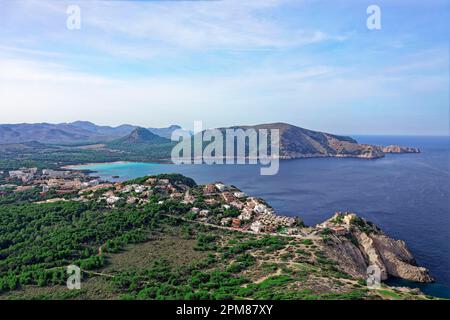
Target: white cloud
{"x":20,"y":70}
{"x":53,"y":92}
{"x":52,"y":74}
{"x":431,"y":59}
{"x":182,"y":25}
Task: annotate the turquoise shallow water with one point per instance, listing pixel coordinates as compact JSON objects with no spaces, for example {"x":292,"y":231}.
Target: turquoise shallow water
{"x":407,"y":195}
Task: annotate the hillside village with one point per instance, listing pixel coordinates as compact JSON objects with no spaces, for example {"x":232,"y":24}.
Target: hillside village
{"x":61,"y":182}
{"x":217,"y":203}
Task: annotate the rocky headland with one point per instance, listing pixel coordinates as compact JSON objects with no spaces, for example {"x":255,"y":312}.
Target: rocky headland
{"x":297,"y":142}
{"x":357,"y":244}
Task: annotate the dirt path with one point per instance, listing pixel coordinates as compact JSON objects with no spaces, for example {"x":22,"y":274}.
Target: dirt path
{"x":294,"y":236}
{"x":277,"y":273}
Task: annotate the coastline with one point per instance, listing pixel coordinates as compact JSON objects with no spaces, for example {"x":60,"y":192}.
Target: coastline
{"x":76,"y":166}
{"x":279,"y":157}
{"x":430,"y":287}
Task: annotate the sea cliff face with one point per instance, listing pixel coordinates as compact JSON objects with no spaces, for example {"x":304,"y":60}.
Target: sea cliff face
{"x":357,"y":244}
{"x":297,"y":142}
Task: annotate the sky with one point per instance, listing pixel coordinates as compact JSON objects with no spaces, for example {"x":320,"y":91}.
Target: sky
{"x":314,"y":64}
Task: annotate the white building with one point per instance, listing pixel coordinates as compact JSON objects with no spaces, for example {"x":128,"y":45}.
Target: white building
{"x":24,"y":175}
{"x":55,"y":174}
{"x":245,"y":215}
{"x":139,"y":189}
{"x":221,"y":187}
{"x":239,"y":194}
{"x":225,"y":222}
{"x":256,"y":226}
{"x":203,"y":213}
{"x":260,"y":208}
{"x":111,"y":200}
{"x":16,"y":173}
{"x":94,"y":183}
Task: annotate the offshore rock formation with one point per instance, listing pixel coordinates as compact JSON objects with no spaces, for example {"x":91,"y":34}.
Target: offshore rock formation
{"x":357,"y":244}
{"x":397,"y":149}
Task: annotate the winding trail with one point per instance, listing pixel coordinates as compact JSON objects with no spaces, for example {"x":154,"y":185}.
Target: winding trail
{"x":311,"y":236}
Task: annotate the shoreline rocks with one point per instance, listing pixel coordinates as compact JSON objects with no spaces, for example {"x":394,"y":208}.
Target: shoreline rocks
{"x":352,"y":150}
{"x":398,"y":149}
{"x":364,"y":244}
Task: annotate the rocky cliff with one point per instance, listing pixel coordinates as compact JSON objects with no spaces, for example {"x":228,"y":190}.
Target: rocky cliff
{"x":297,"y":142}
{"x":357,"y":244}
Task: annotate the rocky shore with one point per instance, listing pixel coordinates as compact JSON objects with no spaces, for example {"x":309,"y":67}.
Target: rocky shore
{"x":398,"y":149}
{"x":357,"y":244}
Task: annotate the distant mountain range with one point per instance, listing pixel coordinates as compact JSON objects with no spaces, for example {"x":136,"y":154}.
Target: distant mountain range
{"x":77,"y":132}
{"x":295,"y":142}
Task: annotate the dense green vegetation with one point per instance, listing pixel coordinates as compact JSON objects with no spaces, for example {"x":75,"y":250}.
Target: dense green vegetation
{"x":11,"y":197}
{"x":12,"y":163}
{"x":143,"y":151}
{"x":268,"y":243}
{"x":363,"y":226}
{"x":174,"y":178}
{"x":55,"y":157}
{"x":37,"y":242}
{"x":36,"y":239}
{"x":161,"y":281}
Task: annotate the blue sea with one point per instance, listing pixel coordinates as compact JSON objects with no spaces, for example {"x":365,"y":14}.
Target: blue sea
{"x":407,"y":195}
